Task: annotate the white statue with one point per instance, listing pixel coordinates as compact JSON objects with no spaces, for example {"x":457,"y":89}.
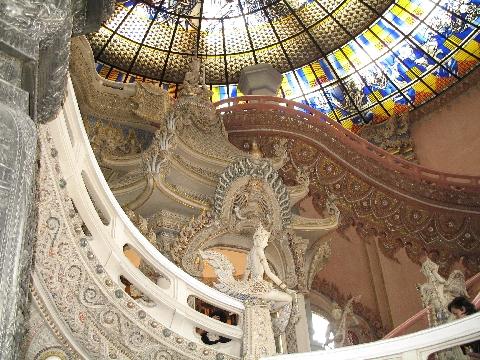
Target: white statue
{"x":437,"y":292}
{"x":253,"y":287}
{"x":339,"y":326}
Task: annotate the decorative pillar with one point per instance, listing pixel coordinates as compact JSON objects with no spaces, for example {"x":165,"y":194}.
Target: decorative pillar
{"x":260,"y":79}
{"x":18,"y":148}
{"x":298,"y":339}
{"x":34,"y":52}
{"x":258,"y":338}
{"x":309,"y":316}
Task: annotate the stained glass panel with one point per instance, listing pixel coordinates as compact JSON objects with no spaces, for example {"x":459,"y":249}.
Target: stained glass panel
{"x":352,"y":73}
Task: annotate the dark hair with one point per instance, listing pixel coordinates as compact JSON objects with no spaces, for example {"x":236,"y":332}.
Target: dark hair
{"x":221,"y":314}
{"x":461,"y":301}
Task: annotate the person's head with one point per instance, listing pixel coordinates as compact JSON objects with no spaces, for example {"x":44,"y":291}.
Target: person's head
{"x":461,"y":307}
{"x":219,"y":315}
{"x":260,"y":237}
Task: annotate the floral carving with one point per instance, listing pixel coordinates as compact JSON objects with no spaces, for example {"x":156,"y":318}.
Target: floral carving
{"x":402,"y":211}
{"x":89,"y":304}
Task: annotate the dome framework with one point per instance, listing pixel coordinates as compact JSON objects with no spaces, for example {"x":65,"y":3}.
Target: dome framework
{"x":355,"y":61}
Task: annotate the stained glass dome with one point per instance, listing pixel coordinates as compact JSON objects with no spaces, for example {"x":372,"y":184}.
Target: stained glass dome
{"x":354,"y":60}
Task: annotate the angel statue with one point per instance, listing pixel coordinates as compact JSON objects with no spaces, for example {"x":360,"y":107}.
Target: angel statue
{"x":437,"y":292}
{"x":192,"y":77}
{"x":339,"y":324}
{"x":253,"y":287}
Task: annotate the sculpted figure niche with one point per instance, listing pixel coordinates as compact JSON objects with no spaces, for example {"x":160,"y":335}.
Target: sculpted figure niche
{"x":339,"y":326}
{"x":436,"y":294}
{"x":256,"y":291}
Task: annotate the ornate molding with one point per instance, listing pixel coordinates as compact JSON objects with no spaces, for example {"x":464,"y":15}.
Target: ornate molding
{"x":102,"y":99}
{"x":399,"y":206}
{"x":392,"y":135}
{"x":102,"y":318}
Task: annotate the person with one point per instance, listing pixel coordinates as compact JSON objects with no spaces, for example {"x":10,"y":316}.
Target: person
{"x":211,"y":338}
{"x":461,"y":307}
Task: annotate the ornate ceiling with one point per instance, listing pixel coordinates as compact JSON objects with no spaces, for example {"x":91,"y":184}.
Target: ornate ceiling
{"x":156,"y":37}
{"x":354,"y":60}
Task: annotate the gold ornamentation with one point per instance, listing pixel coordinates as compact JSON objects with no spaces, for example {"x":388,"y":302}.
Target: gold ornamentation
{"x":392,"y":135}
{"x":403,"y":211}
{"x":150,"y":101}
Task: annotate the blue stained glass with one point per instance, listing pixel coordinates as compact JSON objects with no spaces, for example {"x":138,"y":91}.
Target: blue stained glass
{"x":363,"y":40}
{"x":337,"y":65}
{"x":356,"y":54}
{"x":319,"y":102}
{"x":361,"y":95}
{"x":129,"y":4}
{"x":302,"y":79}
{"x":367,"y":117}
{"x":341,"y":103}
{"x":432,"y":43}
{"x":388,"y":31}
{"x":394,"y":69}
{"x":357,"y":119}
{"x":450,"y":66}
{"x":401,"y":99}
{"x":303,"y":101}
{"x":222,"y":89}
{"x":477,"y":38}
{"x":377,"y":81}
{"x":467,"y":10}
{"x":410,"y":94}
{"x":374,"y":48}
{"x":414,"y":61}
{"x":233,"y":90}
{"x":465,"y":32}
{"x":293,"y":85}
{"x":327,"y":74}
{"x":389,"y":15}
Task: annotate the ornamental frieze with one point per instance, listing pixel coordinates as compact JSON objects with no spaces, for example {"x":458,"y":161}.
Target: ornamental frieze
{"x":102,"y":318}
{"x":401,"y":212}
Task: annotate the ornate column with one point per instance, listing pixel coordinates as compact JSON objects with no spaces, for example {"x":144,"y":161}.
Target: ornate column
{"x":34,"y":51}
{"x":258,"y":338}
{"x":298,"y":339}
{"x":18,"y":144}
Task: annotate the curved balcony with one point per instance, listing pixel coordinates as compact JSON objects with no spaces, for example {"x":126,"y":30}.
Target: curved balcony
{"x":316,"y":119}
{"x":417,"y":346}
{"x":109,"y":230}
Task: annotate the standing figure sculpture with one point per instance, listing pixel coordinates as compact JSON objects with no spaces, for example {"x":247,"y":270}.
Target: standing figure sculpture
{"x":256,"y":292}
{"x":257,"y":267}
{"x":191,"y":81}
{"x":339,"y":325}
{"x":437,"y":292}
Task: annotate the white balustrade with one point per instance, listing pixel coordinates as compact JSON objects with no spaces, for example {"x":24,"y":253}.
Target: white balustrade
{"x":416,"y":346}
{"x":108,"y":237}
